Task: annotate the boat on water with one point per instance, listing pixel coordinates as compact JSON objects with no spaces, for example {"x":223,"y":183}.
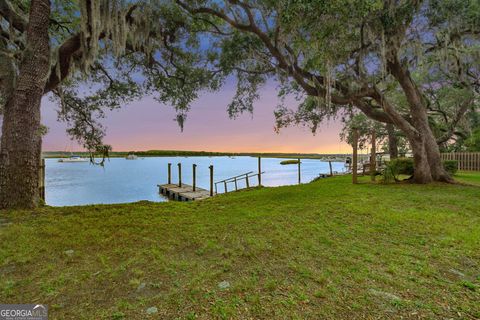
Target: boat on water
{"x":131,"y":157}
{"x":73,"y":158}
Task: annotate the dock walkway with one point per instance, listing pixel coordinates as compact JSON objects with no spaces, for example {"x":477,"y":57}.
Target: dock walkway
{"x":183,"y":193}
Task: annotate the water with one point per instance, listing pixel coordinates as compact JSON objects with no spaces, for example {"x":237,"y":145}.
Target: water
{"x":122,"y":180}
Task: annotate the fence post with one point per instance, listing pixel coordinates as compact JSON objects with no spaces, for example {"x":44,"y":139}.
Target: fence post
{"x":354,"y":160}
{"x":211,"y":181}
{"x":236,"y":186}
{"x":179,"y":174}
{"x":246,"y":181}
{"x":225,"y":184}
{"x":169,"y":173}
{"x":330,"y":165}
{"x":259,"y":171}
{"x":194,"y":167}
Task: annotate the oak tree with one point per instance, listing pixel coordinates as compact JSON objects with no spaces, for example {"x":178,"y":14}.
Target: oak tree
{"x":343,"y":54}
{"x":90,"y":56}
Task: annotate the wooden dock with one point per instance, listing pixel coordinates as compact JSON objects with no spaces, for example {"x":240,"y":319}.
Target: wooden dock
{"x":183,"y":193}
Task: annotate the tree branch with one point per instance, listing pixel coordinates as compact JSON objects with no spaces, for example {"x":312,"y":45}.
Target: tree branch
{"x":69,"y":50}
{"x":17,"y":20}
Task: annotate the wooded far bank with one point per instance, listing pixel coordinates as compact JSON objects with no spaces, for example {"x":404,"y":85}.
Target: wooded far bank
{"x":182,"y":153}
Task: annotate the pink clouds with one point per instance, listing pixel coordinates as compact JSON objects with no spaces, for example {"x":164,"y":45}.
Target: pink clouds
{"x":146,"y":124}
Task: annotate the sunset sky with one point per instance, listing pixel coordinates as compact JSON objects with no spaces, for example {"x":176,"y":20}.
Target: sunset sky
{"x":146,"y":125}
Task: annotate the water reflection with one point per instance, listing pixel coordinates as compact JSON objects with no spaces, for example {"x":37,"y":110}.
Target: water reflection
{"x":124,"y":180}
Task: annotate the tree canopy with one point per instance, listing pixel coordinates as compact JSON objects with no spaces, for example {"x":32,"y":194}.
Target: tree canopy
{"x":105,"y":54}
{"x":389,"y":59}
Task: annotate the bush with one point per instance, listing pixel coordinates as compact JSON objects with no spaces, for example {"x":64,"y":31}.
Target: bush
{"x":451,"y":166}
{"x":396,"y":167}
{"x":405,"y":166}
{"x":402,"y":165}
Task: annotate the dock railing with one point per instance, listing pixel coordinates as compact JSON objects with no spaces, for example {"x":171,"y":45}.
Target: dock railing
{"x":244,"y":176}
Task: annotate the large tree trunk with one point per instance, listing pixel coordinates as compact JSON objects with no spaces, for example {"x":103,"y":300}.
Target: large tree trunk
{"x":428,"y":152}
{"x":434,"y":159}
{"x":428,"y":164}
{"x":21,"y":137}
{"x":429,"y":149}
{"x":392,"y":141}
{"x":422,"y":172}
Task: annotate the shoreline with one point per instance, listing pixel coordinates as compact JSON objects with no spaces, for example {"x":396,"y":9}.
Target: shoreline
{"x":168,"y":153}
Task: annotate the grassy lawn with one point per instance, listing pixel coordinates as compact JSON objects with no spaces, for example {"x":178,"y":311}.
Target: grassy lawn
{"x":470,"y":177}
{"x":325,"y":250}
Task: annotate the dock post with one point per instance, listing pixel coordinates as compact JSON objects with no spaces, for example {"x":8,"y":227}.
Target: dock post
{"x":169,"y":173}
{"x":299,"y":172}
{"x":211,"y":181}
{"x":354,"y":158}
{"x":179,"y":174}
{"x":331,"y":171}
{"x":194,"y":185}
{"x":259,"y":171}
{"x":42,"y":179}
{"x":373,"y":157}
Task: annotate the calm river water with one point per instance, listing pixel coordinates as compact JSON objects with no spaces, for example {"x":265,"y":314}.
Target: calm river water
{"x":122,"y":180}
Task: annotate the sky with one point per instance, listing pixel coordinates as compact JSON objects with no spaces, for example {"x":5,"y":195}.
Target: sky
{"x":148,"y":125}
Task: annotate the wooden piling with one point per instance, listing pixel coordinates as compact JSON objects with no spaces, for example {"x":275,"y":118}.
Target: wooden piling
{"x":259,"y":171}
{"x":299,"y":173}
{"x":194,"y":182}
{"x":330,"y":165}
{"x":354,"y":158}
{"x":169,"y":173}
{"x":41,"y":184}
{"x":211,"y":181}
{"x":373,"y":157}
{"x":179,"y":174}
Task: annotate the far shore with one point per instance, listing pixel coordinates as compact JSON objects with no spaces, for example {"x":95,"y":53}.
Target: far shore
{"x":179,"y":153}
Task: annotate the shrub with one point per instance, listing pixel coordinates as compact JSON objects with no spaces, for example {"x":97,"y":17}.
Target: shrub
{"x":451,"y":166}
{"x":405,"y":166}
{"x":388,"y":174}
{"x":396,"y":167}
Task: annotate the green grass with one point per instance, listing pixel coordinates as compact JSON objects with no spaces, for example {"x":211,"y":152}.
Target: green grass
{"x":470,"y":177}
{"x":325,"y":250}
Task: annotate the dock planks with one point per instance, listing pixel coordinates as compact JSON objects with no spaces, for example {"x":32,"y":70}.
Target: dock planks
{"x":183,"y":193}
